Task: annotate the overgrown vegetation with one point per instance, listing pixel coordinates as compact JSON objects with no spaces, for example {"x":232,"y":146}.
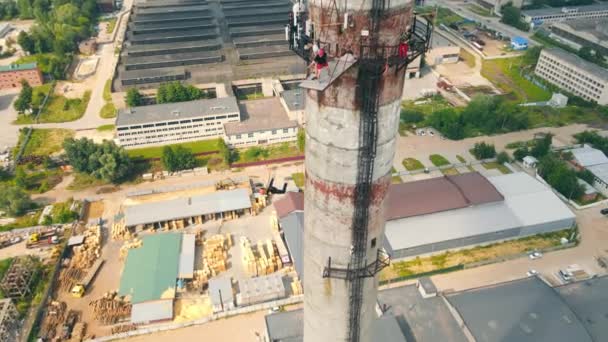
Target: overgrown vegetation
{"x":594,"y":139}
{"x":438,"y":160}
{"x":58,"y":109}
{"x":177,"y":159}
{"x":45,"y":142}
{"x":560,"y":176}
{"x":134,"y":98}
{"x":177,"y":92}
{"x":483,"y":150}
{"x":104,"y":161}
{"x":156,"y":152}
{"x":298,"y":178}
{"x":108,"y":110}
{"x":511,"y":16}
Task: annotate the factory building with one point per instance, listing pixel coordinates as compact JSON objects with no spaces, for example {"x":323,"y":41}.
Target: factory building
{"x":151,"y":273}
{"x":573,"y":74}
{"x":452,"y":212}
{"x":11,"y":75}
{"x":172,"y":123}
{"x":182,"y":211}
{"x":558,"y":14}
{"x":523,"y":310}
{"x":579,"y":33}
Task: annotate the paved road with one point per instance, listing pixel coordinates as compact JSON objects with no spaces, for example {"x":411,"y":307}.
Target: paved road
{"x":9,"y":134}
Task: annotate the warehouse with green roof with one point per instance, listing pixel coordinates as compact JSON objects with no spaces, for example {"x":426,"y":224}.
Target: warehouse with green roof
{"x":151,"y":272}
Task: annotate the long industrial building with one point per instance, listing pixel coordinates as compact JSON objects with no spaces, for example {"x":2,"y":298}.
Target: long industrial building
{"x":557,"y":14}
{"x":573,"y":74}
{"x":202,"y":41}
{"x":523,"y":310}
{"x":450,"y":212}
{"x":579,"y":33}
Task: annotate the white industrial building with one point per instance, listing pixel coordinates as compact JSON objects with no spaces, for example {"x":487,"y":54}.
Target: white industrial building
{"x":527,"y":208}
{"x":172,"y":123}
{"x":557,"y":14}
{"x":596,"y":162}
{"x":573,"y":74}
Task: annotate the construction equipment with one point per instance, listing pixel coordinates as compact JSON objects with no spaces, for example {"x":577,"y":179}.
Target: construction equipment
{"x":79,"y":289}
{"x":42,"y":239}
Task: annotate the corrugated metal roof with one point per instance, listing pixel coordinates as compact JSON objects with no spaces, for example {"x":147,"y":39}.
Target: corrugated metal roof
{"x":600,"y":171}
{"x":150,"y":271}
{"x":293,"y":231}
{"x":76,"y":240}
{"x":186,"y":257}
{"x":177,"y":111}
{"x":159,"y":310}
{"x":439,"y":194}
{"x":292,"y":201}
{"x":525,"y":310}
{"x":588,"y":156}
{"x":179,"y":208}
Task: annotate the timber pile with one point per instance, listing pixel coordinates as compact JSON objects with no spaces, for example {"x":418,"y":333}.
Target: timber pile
{"x":55,"y":316}
{"x":296,"y":286}
{"x":124,"y":250}
{"x":120,"y":231}
{"x":215,"y":254}
{"x":260,"y":259}
{"x":86,"y":254}
{"x":69,"y":277}
{"x":78,"y":332}
{"x":110,"y":309}
{"x":123,"y":328}
{"x":274,"y":222}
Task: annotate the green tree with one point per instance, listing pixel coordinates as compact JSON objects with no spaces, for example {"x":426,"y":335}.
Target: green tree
{"x":21,"y":179}
{"x":177,"y":92}
{"x":133,"y":98}
{"x":586,"y":175}
{"x":521,"y":153}
{"x":411,"y":116}
{"x":512,"y":16}
{"x":483,"y":150}
{"x":24,"y":100}
{"x":14,"y":200}
{"x":105,"y":161}
{"x":224,"y":151}
{"x":502,"y":157}
{"x":561,"y":177}
{"x":26,"y":42}
{"x":178,"y":159}
{"x":301,"y":139}
{"x":542,"y":146}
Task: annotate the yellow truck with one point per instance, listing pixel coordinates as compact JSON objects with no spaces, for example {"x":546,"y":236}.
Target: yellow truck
{"x":80,"y":289}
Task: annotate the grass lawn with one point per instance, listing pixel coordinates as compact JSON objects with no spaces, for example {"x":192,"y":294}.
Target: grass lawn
{"x":107,"y":90}
{"x":466,"y":256}
{"x":157,"y":151}
{"x":59,"y":109}
{"x":105,"y":128}
{"x":435,"y":103}
{"x":461,"y":159}
{"x":438,"y":160}
{"x":44,"y":142}
{"x":268,"y":152}
{"x":412,"y":164}
{"x":298,"y":178}
{"x":395,"y":179}
{"x":494,"y":165}
{"x":479,"y":10}
{"x":83,"y":181}
{"x":108,"y":111}
{"x":505,"y":74}
{"x":111,"y":25}
{"x":403,"y":129}
{"x":450,"y":172}
{"x":468,"y":58}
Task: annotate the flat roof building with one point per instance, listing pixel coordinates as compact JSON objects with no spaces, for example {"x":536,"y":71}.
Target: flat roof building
{"x":573,"y":74}
{"x":12,"y":75}
{"x":186,"y":208}
{"x":596,"y":162}
{"x":557,"y":14}
{"x":588,"y":301}
{"x":221,"y":294}
{"x":578,"y":33}
{"x":175,"y":122}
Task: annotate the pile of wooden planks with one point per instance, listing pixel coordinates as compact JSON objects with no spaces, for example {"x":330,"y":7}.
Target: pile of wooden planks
{"x":215,"y":254}
{"x":124,"y":249}
{"x":78,"y":332}
{"x":120,"y":230}
{"x":55,"y":315}
{"x":260,"y":259}
{"x":123,"y":328}
{"x":87,"y":253}
{"x":110,"y":309}
{"x":296,"y":286}
{"x":70,"y":277}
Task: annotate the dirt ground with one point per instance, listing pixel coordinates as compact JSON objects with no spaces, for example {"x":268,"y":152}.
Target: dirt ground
{"x":94,"y":211}
{"x":95,"y":135}
{"x":494,"y":47}
{"x":189,"y":309}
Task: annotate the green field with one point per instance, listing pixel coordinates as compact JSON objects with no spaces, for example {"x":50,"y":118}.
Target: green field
{"x":505,"y":74}
{"x":45,"y":142}
{"x":494,"y":165}
{"x":438,"y":160}
{"x":157,"y":151}
{"x":298,"y":178}
{"x":108,"y":111}
{"x":59,"y":109}
{"x":106,"y":128}
{"x":412,"y":164}
{"x":268,"y":152}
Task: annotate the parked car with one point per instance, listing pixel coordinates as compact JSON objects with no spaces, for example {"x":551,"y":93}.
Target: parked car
{"x":604,"y":211}
{"x":535,"y":255}
{"x":431,"y":133}
{"x":565,"y":275}
{"x":422,"y":133}
{"x":531,"y":273}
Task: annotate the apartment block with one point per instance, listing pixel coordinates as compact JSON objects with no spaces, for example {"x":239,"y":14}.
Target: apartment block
{"x":573,"y":74}
{"x":172,"y":123}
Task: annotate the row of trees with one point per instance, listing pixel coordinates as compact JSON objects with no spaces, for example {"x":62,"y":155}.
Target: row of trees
{"x":178,"y":158}
{"x":105,"y":161}
{"x":538,"y":149}
{"x":511,"y":16}
{"x":167,"y":93}
{"x":484,"y":115}
{"x":560,"y":176}
{"x":483,"y":150}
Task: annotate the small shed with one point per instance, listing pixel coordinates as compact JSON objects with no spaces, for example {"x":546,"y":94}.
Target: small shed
{"x":530,"y":162}
{"x":519,"y":43}
{"x":426,"y":287}
{"x":75,"y":240}
{"x":221,"y":294}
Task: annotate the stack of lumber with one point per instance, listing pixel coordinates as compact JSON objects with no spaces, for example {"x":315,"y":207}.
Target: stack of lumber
{"x":69,"y":277}
{"x":120,"y":230}
{"x":54,"y":317}
{"x":215,"y":254}
{"x":260,"y":259}
{"x":200,"y":280}
{"x":78,"y":332}
{"x":274,"y":222}
{"x":296,"y":286}
{"x":86,"y":254}
{"x":123,"y":328}
{"x":110,"y":309}
{"x":124,"y":250}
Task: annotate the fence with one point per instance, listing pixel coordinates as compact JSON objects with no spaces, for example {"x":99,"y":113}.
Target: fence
{"x":214,"y":317}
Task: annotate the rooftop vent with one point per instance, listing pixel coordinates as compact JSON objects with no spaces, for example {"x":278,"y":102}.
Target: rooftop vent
{"x":175,"y":112}
{"x":217,"y":107}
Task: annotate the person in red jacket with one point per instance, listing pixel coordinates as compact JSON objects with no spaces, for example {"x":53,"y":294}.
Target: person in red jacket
{"x":319,"y":62}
